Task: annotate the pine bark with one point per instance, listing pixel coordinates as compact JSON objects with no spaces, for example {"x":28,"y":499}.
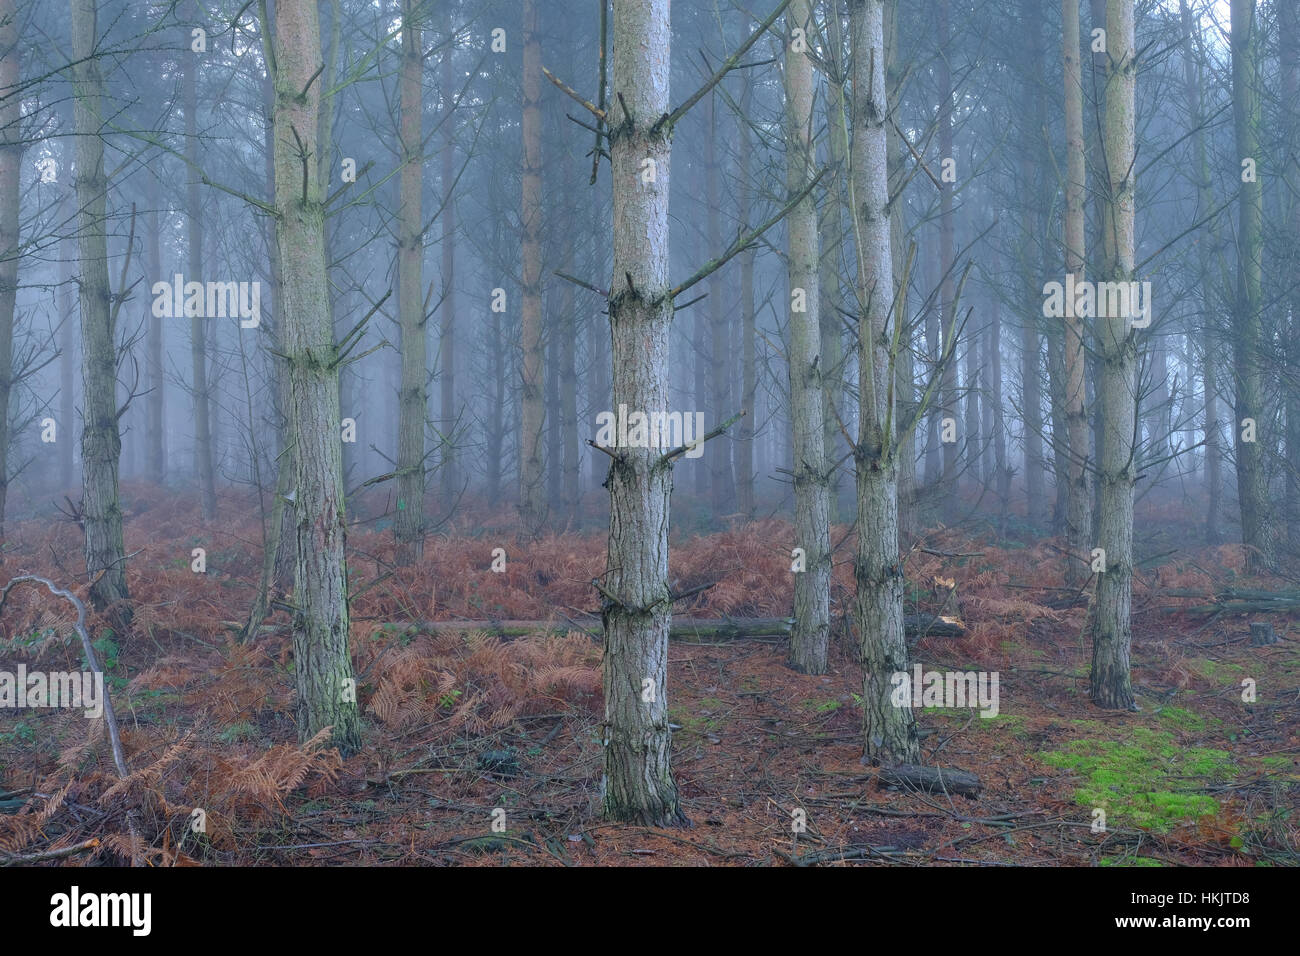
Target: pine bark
{"x":413,"y":399}
{"x":889,"y":732}
{"x":1112,"y":635}
{"x":323,"y":665}
{"x":1078,"y":500}
{"x":1031,"y":358}
{"x":204,"y":471}
{"x":905,"y":372}
{"x":947,"y":328}
{"x":11,"y":155}
{"x":636,"y":608}
{"x":1248,"y":336}
{"x":156,"y":453}
{"x":722,"y":480}
{"x":831,"y":229}
{"x":449,"y":474}
{"x":532,"y":475}
{"x":1208,"y":340}
{"x":101,"y":443}
{"x":811,"y":636}
{"x":70,"y":323}
{"x":1289,"y":59}
{"x":568,"y":375}
{"x":744,"y":445}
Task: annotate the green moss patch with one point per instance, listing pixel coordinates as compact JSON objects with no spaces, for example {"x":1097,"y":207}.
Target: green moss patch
{"x":1145,"y":781}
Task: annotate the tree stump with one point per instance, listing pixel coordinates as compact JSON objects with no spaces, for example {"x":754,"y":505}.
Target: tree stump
{"x":1262,"y":634}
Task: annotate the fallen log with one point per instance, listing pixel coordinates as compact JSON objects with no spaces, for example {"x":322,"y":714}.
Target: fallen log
{"x":1234,"y":601}
{"x":700,"y":630}
{"x":931,"y":780}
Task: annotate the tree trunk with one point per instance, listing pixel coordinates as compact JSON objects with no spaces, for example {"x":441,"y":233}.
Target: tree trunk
{"x":323,"y":665}
{"x":947,"y":328}
{"x":532,"y":476}
{"x":905,"y":373}
{"x":1247,"y":340}
{"x":496,"y":428}
{"x":999,"y":415}
{"x":811,"y":637}
{"x":11,"y":156}
{"x":889,"y":732}
{"x":972,"y":441}
{"x":1078,"y":495}
{"x":722,"y":481}
{"x":1289,"y":57}
{"x":1112,"y":633}
{"x":408,"y":526}
{"x":1031,"y":360}
{"x":101,"y":444}
{"x":204,"y":472}
{"x":744,"y":445}
{"x":1210,"y":342}
{"x":449,"y":412}
{"x":636,"y":607}
{"x":568,"y":369}
{"x":156,"y":454}
{"x":831,"y":227}
{"x":70,"y":323}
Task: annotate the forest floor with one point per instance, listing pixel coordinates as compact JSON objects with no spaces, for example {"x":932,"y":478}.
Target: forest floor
{"x":460,"y":724}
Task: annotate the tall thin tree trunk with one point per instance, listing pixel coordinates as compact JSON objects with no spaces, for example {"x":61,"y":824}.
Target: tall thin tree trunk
{"x":1112,"y":634}
{"x":1257,"y":531}
{"x":204,"y":471}
{"x":831,"y":227}
{"x":70,"y":323}
{"x":972,"y":440}
{"x":905,"y":372}
{"x":568,"y":373}
{"x":101,"y":444}
{"x":701,"y":361}
{"x":889,"y":732}
{"x":1208,"y":341}
{"x":496,"y":409}
{"x":551,"y":430}
{"x":1078,"y":501}
{"x":278,"y":559}
{"x":449,"y":477}
{"x":598,"y":384}
{"x":810,"y":637}
{"x":323,"y":665}
{"x":532,"y":475}
{"x":1031,"y":359}
{"x":948,"y":328}
{"x":636,"y":606}
{"x":999,"y":414}
{"x":408,"y":526}
{"x":988,"y":390}
{"x":156,"y":458}
{"x":722,"y":480}
{"x":11,"y":155}
{"x":744,"y":445}
{"x":1289,"y":57}
{"x":933,"y":473}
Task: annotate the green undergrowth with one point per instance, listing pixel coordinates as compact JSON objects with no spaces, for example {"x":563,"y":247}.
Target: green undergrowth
{"x":1147,"y":780}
